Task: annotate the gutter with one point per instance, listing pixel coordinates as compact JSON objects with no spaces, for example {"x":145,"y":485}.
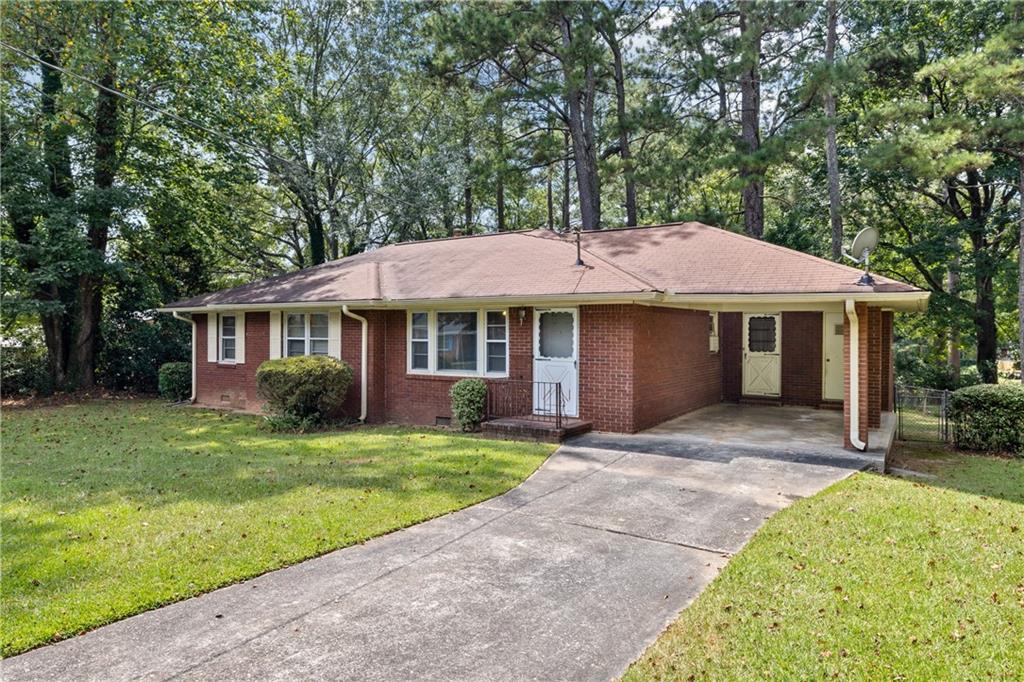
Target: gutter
{"x":362,"y":363}
{"x":851,"y":313}
{"x":178,"y":316}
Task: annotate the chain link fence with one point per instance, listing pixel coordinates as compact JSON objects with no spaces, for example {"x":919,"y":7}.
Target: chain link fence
{"x":922,"y":414}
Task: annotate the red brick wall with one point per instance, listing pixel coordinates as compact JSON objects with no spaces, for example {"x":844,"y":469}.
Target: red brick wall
{"x":874,"y":358}
{"x":421,"y":399}
{"x":887,"y":367}
{"x":673,"y":368}
{"x":801,"y":358}
{"x":730,"y":339}
{"x":606,"y":366}
{"x":232,"y":385}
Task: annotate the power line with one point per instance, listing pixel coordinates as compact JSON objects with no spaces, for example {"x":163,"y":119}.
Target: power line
{"x":155,"y":108}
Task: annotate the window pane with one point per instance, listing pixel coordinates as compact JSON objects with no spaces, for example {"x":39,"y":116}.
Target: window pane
{"x":318,"y":326}
{"x":496,"y":325}
{"x":297,"y":326}
{"x":496,"y":356}
{"x":556,"y":335}
{"x":296,"y":347}
{"x":318,"y":347}
{"x":227,"y":325}
{"x":228,"y":349}
{"x":456,"y":341}
{"x":761,"y":334}
{"x":420,"y":355}
{"x":419,"y":326}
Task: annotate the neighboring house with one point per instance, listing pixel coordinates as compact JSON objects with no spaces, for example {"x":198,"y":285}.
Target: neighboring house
{"x":656,"y":322}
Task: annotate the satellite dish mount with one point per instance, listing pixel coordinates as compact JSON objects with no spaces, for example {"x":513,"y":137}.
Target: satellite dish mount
{"x":863,"y":244}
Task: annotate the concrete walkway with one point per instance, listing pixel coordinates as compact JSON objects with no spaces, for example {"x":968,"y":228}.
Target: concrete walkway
{"x":569,"y":576}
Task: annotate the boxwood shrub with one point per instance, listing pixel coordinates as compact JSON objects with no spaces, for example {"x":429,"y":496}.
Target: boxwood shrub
{"x":988,"y":417}
{"x":469,"y":401}
{"x":305,"y":389}
{"x":174,"y":380}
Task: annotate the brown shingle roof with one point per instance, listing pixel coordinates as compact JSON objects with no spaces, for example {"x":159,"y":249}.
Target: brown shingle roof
{"x":681,"y":258}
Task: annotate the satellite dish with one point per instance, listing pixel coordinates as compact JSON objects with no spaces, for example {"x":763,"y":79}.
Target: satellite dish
{"x":863,"y":244}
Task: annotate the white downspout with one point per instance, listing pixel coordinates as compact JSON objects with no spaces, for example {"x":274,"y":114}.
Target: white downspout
{"x":177,"y":316}
{"x":851,"y":313}
{"x":362,"y":363}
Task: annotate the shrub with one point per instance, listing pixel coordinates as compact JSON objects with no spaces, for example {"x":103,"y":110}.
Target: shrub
{"x":175,"y":380}
{"x":289,"y":423}
{"x":24,"y":368}
{"x":469,"y":398}
{"x":135,"y":347}
{"x":308,"y":388}
{"x":988,"y":417}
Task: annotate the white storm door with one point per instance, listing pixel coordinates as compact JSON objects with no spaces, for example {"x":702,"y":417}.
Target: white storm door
{"x":762,"y":359}
{"x":832,"y":387}
{"x":555,"y":360}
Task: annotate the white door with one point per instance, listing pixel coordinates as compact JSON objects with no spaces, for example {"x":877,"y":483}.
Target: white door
{"x":832,"y":340}
{"x":555,"y":356}
{"x":762,"y":359}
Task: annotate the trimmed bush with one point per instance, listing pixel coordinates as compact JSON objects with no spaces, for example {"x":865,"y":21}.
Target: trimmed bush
{"x":308,"y":388}
{"x":175,"y":381}
{"x":988,"y":417}
{"x":469,"y":400}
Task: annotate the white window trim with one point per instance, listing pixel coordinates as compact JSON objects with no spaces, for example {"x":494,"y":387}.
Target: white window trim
{"x":481,"y":343}
{"x":714,"y":334}
{"x":220,"y":339}
{"x":307,"y":338}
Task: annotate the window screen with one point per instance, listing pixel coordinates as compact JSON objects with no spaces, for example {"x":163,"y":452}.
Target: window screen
{"x":761,"y":334}
{"x":456,"y":342}
{"x":556,"y":335}
{"x":497,"y":341}
{"x":227,"y":337}
{"x":420,"y":340}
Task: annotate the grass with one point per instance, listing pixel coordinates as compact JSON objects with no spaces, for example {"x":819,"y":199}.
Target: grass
{"x":876,"y":577}
{"x":111,"y":508}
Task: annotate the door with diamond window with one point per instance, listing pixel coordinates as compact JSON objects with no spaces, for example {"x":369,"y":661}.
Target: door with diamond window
{"x":762,"y":359}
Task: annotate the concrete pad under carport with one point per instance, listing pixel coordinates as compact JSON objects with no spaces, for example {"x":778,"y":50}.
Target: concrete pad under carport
{"x":569,"y":576}
{"x":773,"y":431}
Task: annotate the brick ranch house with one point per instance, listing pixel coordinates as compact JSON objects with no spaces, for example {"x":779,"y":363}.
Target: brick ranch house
{"x":655,"y":322}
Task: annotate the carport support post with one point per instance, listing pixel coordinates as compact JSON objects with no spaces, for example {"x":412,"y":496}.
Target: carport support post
{"x":855,"y":376}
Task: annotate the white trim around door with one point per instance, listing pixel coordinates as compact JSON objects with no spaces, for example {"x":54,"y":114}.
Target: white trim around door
{"x":556,"y":343}
{"x":762,"y":354}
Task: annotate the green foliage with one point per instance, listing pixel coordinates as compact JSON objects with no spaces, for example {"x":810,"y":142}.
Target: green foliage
{"x":469,"y":402}
{"x":23,"y":366}
{"x":135,"y":347}
{"x":989,"y":417}
{"x":175,"y":381}
{"x":309,"y":388}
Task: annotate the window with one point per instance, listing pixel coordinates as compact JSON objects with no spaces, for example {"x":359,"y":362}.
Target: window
{"x":419,"y":342}
{"x":556,"y":334}
{"x":761,"y":335}
{"x":497,"y":342}
{"x":306,"y":334}
{"x":713,"y":332}
{"x":458,"y":342}
{"x":227,"y":338}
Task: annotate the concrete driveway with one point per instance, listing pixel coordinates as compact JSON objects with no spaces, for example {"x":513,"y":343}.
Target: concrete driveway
{"x":569,"y":576}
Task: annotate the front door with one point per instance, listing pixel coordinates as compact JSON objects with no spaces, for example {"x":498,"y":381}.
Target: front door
{"x":762,"y":359}
{"x":555,"y":360}
{"x":832,"y":388}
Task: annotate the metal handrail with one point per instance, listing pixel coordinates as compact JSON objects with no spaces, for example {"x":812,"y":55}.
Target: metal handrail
{"x":535,"y":400}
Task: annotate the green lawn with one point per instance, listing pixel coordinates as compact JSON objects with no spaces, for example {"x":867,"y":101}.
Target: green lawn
{"x":114,"y":507}
{"x":874,"y":578}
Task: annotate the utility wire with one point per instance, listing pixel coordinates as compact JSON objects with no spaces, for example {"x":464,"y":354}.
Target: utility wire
{"x":155,"y":108}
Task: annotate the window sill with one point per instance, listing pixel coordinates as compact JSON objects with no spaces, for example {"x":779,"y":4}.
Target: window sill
{"x":450,"y":376}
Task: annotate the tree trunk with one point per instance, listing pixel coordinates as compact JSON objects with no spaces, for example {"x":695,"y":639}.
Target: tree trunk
{"x":985,"y":323}
{"x":953,"y":287}
{"x":1020,"y":266}
{"x":315,"y":224}
{"x":99,"y":215}
{"x":551,"y":201}
{"x":831,"y":152}
{"x":565,"y":185}
{"x":620,"y":113}
{"x":499,"y":191}
{"x":581,"y":130}
{"x":750,"y":136}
